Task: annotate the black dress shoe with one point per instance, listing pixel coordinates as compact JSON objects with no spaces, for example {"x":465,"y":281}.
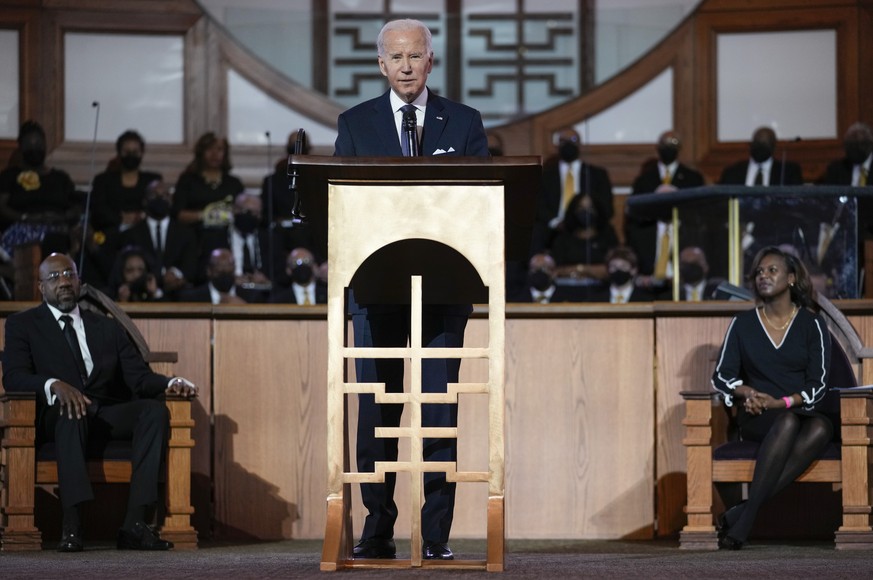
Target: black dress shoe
{"x":71,"y":541}
{"x":721,"y":522}
{"x":141,"y":537}
{"x":728,"y":543}
{"x":438,"y":551}
{"x":375,"y":548}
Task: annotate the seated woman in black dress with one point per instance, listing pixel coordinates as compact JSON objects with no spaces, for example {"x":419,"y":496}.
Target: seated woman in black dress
{"x":582,"y":241}
{"x":205,"y":190}
{"x":37,"y":202}
{"x":119,"y":191}
{"x":132,"y":278}
{"x":775,"y":360}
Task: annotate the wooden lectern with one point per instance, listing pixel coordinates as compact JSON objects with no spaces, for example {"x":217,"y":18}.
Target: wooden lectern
{"x":425,"y":230}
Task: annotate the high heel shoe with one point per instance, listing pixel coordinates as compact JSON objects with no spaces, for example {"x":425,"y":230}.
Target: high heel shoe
{"x":721,"y":522}
{"x":726,"y":542}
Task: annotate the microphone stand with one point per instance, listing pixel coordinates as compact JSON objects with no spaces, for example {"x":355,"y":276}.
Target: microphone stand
{"x":96,"y":105}
{"x":410,"y":133}
{"x":271,"y":225}
{"x":297,"y":215}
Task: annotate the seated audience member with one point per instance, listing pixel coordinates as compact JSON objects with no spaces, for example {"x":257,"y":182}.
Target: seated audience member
{"x":779,"y":393}
{"x":762,"y":168}
{"x":581,"y":243}
{"x":854,"y":168}
{"x":90,"y":383}
{"x":564,"y":176}
{"x":621,"y":267}
{"x":249,"y":242}
{"x":118,"y":192}
{"x":220,"y":285}
{"x":133,"y":278}
{"x":693,"y":272}
{"x":275,"y":187}
{"x":205,"y":191}
{"x":540,"y":287}
{"x":304,"y":287}
{"x":651,"y":239}
{"x":169,"y":245}
{"x":37,"y":203}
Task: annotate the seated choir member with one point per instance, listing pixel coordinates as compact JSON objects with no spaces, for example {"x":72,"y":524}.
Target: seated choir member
{"x":540,"y":287}
{"x":304,"y":287}
{"x":582,"y":241}
{"x":133,"y":278}
{"x":695,"y":285}
{"x":220,"y":286}
{"x":762,"y":168}
{"x":622,"y":270}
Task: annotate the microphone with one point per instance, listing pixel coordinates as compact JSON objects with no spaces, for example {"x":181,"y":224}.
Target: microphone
{"x":297,"y":215}
{"x":410,"y":132}
{"x":270,"y":218}
{"x":96,"y":106}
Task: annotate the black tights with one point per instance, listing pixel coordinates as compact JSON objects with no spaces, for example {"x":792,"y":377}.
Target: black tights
{"x":790,"y":446}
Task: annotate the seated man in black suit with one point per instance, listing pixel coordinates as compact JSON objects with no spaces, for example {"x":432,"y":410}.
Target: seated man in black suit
{"x":540,"y":287}
{"x":305,"y":287}
{"x":854,"y":169}
{"x":90,"y":382}
{"x":565,"y":176}
{"x":621,"y":266}
{"x":650,"y":239}
{"x":762,"y":169}
{"x":171,"y":246}
{"x":220,"y":286}
{"x":693,"y":272}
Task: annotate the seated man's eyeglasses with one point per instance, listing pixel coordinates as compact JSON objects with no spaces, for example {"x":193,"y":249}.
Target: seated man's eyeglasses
{"x":55,"y":276}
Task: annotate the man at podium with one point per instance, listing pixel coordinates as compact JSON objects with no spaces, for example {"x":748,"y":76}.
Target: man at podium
{"x":407,"y":120}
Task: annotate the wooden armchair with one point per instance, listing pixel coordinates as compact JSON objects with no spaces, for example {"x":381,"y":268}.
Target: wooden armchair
{"x":22,"y":466}
{"x":848,"y":463}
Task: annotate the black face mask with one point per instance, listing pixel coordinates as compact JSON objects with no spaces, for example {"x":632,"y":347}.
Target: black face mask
{"x":568,"y":151}
{"x":33,"y":157}
{"x":539,"y":281}
{"x":760,"y":152}
{"x":130,"y":162}
{"x":224,"y":282}
{"x":857,"y":152}
{"x":691,"y":273}
{"x":586,"y":218}
{"x":302,"y":274}
{"x":246,"y":223}
{"x":138,"y":288}
{"x":667,"y":153}
{"x":619,"y":277}
{"x":158,"y":208}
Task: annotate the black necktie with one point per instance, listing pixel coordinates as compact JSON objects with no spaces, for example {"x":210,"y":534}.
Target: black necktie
{"x":409,"y":132}
{"x":759,"y":177}
{"x":159,"y":250}
{"x":73,"y":341}
{"x":248,"y":262}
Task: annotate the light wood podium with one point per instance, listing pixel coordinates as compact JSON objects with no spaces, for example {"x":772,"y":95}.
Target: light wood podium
{"x":416,"y":231}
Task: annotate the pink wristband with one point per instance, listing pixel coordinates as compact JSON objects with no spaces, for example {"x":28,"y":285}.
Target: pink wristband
{"x":788,"y":402}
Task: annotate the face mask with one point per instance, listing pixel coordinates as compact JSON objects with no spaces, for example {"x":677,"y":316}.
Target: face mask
{"x":224,"y":282}
{"x":539,"y":281}
{"x":33,"y":157}
{"x":138,"y":288}
{"x":158,"y":208}
{"x":691,"y":273}
{"x":760,"y":152}
{"x":130,"y":162}
{"x":246,"y":223}
{"x":857,"y":152}
{"x":302,"y":274}
{"x":568,"y":151}
{"x":586,"y":218}
{"x":619,"y":277}
{"x":668,"y":153}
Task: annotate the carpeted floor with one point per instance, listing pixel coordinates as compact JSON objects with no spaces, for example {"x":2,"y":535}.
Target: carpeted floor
{"x":528,"y":559}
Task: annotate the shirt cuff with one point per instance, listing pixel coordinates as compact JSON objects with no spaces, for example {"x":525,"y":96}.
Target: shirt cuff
{"x":49,"y":396}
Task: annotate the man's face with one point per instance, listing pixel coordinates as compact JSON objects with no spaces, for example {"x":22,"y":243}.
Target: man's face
{"x":248,"y":204}
{"x":406,"y":62}
{"x":59,"y":282}
{"x":220,"y":263}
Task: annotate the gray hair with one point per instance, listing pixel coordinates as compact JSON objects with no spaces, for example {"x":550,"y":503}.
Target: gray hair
{"x":404,"y":24}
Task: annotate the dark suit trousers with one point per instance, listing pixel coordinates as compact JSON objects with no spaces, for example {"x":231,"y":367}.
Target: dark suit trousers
{"x":145,"y":422}
{"x":442,"y":327}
